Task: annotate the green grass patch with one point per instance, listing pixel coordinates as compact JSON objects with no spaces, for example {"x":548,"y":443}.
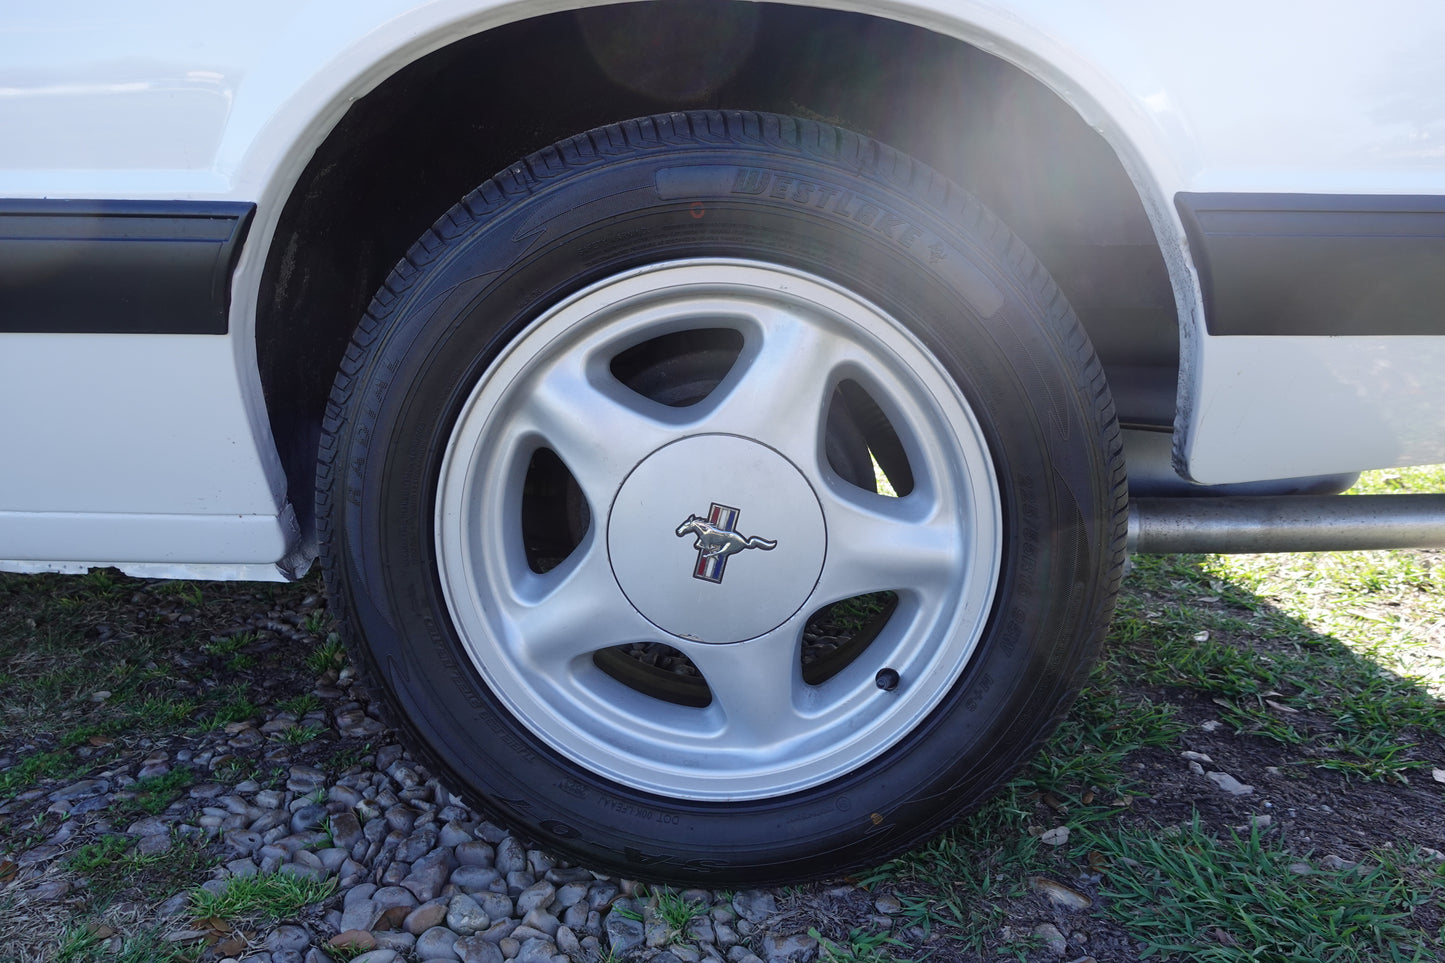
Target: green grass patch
{"x":317,"y":622}
{"x":103,"y":583}
{"x":1325,"y":656}
{"x":96,"y":672}
{"x":677,"y":912}
{"x":37,"y":768}
{"x":626,"y":912}
{"x":299,"y":735}
{"x":128,"y":714}
{"x":233,"y":705}
{"x":162,"y":711}
{"x":79,"y":944}
{"x":347,"y":758}
{"x":152,"y":877}
{"x":1389,"y":481}
{"x":1086,"y":755}
{"x":1237,"y":899}
{"x":78,"y":672}
{"x":84,"y":944}
{"x":346,"y":952}
{"x":188,"y":592}
{"x":273,"y":896}
{"x":92,"y":856}
{"x":298,"y":706}
{"x":229,"y":645}
{"x":861,"y":946}
{"x":1291,"y":667}
{"x":330,"y":654}
{"x":153,"y":794}
{"x":956,"y":887}
{"x":1370,"y":756}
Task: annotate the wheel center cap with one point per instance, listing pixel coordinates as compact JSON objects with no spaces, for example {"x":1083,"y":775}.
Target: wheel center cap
{"x":716,"y":538}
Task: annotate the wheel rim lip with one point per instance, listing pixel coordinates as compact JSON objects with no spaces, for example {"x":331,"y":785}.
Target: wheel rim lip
{"x":941,"y":639}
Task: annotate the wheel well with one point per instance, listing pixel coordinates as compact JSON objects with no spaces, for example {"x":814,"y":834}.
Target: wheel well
{"x":407,"y":151}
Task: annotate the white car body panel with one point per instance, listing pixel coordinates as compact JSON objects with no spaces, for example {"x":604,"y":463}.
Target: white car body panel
{"x":1384,"y":392}
{"x":197,"y":460}
{"x":228,"y":544}
{"x":139,"y":478}
{"x":170,"y":99}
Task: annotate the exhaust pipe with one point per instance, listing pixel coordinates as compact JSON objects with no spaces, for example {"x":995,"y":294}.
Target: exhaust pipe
{"x":1285,"y":523}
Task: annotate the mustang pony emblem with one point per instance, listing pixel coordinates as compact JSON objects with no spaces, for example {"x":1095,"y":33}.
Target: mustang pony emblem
{"x":717,"y":539}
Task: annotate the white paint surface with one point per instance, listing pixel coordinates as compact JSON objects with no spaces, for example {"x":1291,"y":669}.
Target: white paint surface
{"x":1279,"y":407}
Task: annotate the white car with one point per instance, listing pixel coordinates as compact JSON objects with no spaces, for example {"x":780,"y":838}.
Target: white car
{"x":734,"y":484}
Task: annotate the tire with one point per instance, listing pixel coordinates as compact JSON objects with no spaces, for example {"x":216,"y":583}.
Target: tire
{"x":722,"y":498}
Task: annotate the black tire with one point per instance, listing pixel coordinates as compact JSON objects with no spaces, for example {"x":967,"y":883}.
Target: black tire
{"x":431,"y":389}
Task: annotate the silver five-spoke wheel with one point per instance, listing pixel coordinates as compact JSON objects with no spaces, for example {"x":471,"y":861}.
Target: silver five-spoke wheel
{"x":747,"y":456}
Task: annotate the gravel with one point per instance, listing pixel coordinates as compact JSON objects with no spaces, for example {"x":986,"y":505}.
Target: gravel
{"x":420,"y":876}
{"x":417,"y":875}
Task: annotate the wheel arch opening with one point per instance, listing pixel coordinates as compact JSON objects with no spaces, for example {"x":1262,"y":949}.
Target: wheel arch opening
{"x":413,"y":146}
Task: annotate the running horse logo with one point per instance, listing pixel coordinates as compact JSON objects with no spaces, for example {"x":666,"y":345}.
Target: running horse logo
{"x":717,"y":540}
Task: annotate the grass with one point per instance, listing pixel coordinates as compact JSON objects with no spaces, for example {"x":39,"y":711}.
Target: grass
{"x":79,"y":943}
{"x":299,"y":735}
{"x":39,"y":767}
{"x":955,"y":887}
{"x":1237,"y":899}
{"x":269,"y":897}
{"x":675,"y":911}
{"x":229,"y":646}
{"x":666,"y":907}
{"x":86,"y":944}
{"x":1086,"y":756}
{"x":106,"y":927}
{"x":188,"y":592}
{"x":1384,"y":606}
{"x":330,"y":654}
{"x":154,"y":793}
{"x":97,"y":672}
{"x":71,"y":695}
{"x":350,"y":757}
{"x":317,"y":622}
{"x":861,"y":946}
{"x":1271,"y":676}
{"x":298,"y":706}
{"x":233,"y":705}
{"x":97,"y":855}
{"x":111,"y":867}
{"x":345,"y":952}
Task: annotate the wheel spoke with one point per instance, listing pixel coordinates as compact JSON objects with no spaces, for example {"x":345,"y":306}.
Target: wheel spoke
{"x":878,"y":544}
{"x":779,"y":390}
{"x":758,"y":687}
{"x":571,"y":611}
{"x":596,"y":426}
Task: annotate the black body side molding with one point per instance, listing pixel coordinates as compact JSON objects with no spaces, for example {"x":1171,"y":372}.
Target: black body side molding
{"x":118,"y":267}
{"x":1319,"y":264}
